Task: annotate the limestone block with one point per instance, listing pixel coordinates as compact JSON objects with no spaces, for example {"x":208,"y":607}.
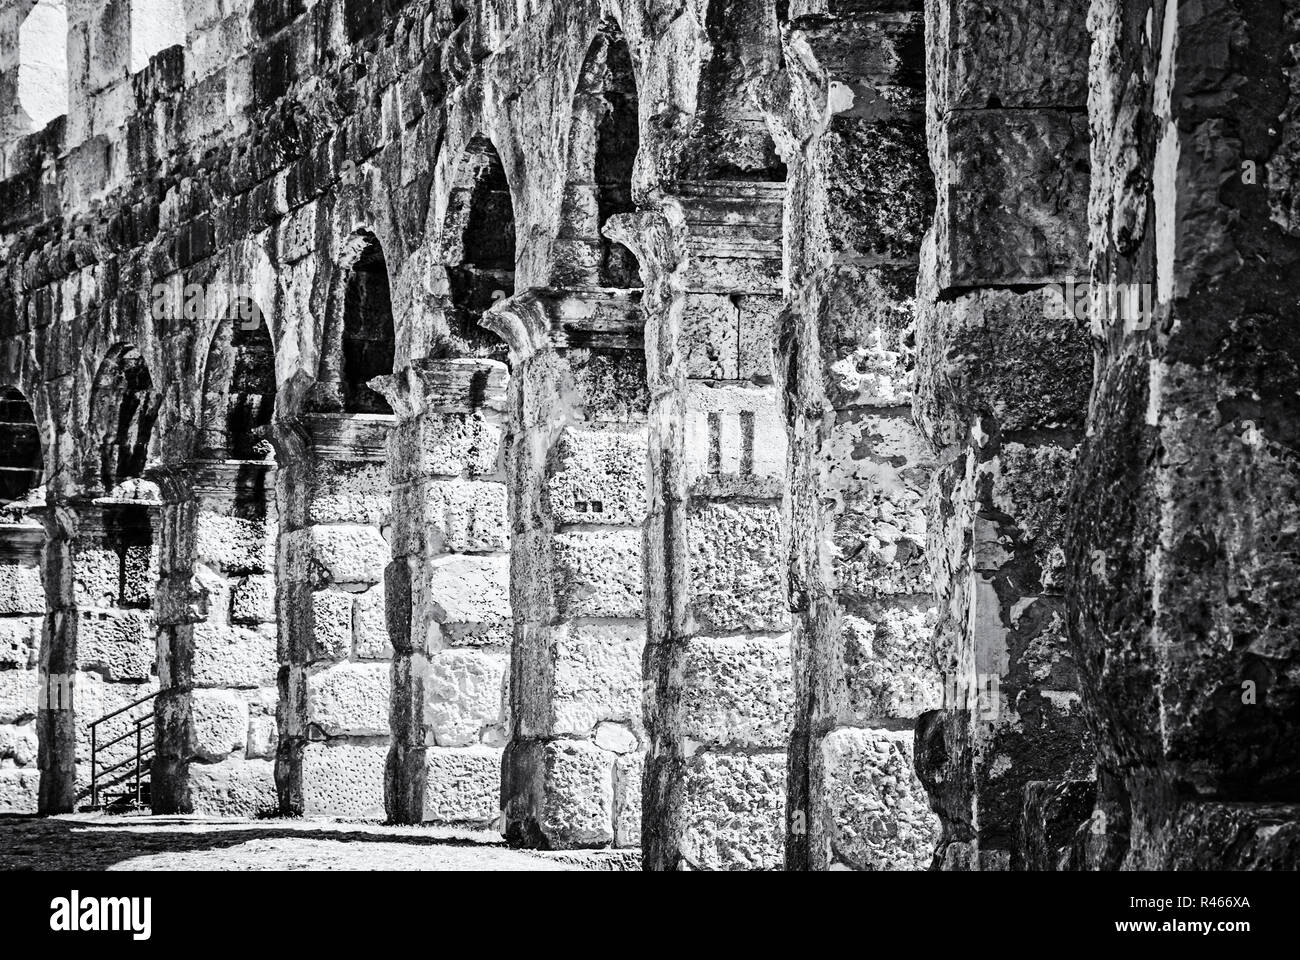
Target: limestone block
{"x":470,"y":596}
{"x":579,"y":792}
{"x":235,"y":787}
{"x":890,"y":666}
{"x":710,"y":337}
{"x":597,"y":676}
{"x":18,"y":744}
{"x":757,"y":315}
{"x":139,"y":575}
{"x":233,"y":657}
{"x":21,"y":590}
{"x":736,"y":566}
{"x":252,"y":600}
{"x":628,"y":771}
{"x":598,"y":573}
{"x":350,"y":699}
{"x":734,"y":431}
{"x":460,"y":445}
{"x":370,"y":626}
{"x":737,"y":691}
{"x":734,"y":811}
{"x":97,"y":577}
{"x":119,"y":644}
{"x":219,"y":724}
{"x":331,"y":612}
{"x":344,"y":780}
{"x":463,"y":786}
{"x":466,"y":516}
{"x":348,"y":554}
{"x":1035,"y":162}
{"x":610,"y":387}
{"x":19,"y":790}
{"x":599,"y":477}
{"x":18,"y":695}
{"x":349,"y":493}
{"x":984,"y":53}
{"x":866,"y":328}
{"x":878,"y":813}
{"x":879,"y":196}
{"x":20,"y":642}
{"x":464,"y":694}
{"x":234,"y":544}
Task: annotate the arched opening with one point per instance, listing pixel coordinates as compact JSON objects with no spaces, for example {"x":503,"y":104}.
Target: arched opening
{"x":43,"y":63}
{"x":20,"y":447}
{"x":369,"y":336}
{"x":123,"y":407}
{"x":238,"y":387}
{"x":603,"y":144}
{"x":155,"y":26}
{"x":479,"y":248}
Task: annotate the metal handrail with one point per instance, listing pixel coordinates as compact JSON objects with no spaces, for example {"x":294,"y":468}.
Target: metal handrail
{"x":135,"y":762}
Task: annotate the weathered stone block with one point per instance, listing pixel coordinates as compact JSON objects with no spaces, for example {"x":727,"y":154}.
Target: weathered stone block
{"x":597,"y":676}
{"x":736,"y":565}
{"x":465,"y":516}
{"x":349,"y":493}
{"x":120,"y":644}
{"x":890,"y":666}
{"x":350,"y":699}
{"x":737,"y":691}
{"x":470,"y":596}
{"x":18,"y":695}
{"x":598,"y":573}
{"x":234,"y":544}
{"x":21,"y":590}
{"x":233,"y":657}
{"x":344,"y":780}
{"x":878,"y":814}
{"x":19,"y":790}
{"x":460,"y":445}
{"x":18,"y":744}
{"x":219,"y":724}
{"x":599,"y":477}
{"x":734,"y":431}
{"x":233,"y":788}
{"x":331,"y":615}
{"x":464,"y":786}
{"x":252,"y":600}
{"x":579,"y":794}
{"x":465,"y":693}
{"x":710,"y":337}
{"x":734,"y":811}
{"x":348,"y":554}
{"x":370,"y":626}
{"x":20,"y":642}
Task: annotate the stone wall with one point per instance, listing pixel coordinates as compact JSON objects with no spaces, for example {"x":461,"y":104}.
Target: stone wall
{"x":630,"y":423}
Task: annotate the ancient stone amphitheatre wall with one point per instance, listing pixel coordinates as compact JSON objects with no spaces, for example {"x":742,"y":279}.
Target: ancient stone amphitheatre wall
{"x":660,"y":425}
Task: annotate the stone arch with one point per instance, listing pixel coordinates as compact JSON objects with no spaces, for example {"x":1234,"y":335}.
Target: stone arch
{"x":478,"y":248}
{"x":43,"y":63}
{"x":360,"y":332}
{"x":123,"y":409}
{"x":21,"y":460}
{"x":155,"y":26}
{"x":239,"y":387}
{"x":604,"y":138}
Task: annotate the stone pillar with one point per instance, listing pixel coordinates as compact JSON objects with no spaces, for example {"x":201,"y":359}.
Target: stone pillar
{"x":860,"y":192}
{"x":1185,"y":523}
{"x":335,"y":659}
{"x":718,"y":689}
{"x":1001,"y":393}
{"x":448,"y":592}
{"x":22,"y":608}
{"x":56,"y":716}
{"x":572,"y":775}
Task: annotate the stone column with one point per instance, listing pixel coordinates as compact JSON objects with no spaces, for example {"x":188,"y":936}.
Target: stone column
{"x":572,"y":775}
{"x":448,"y":592}
{"x":335,"y":667}
{"x":860,"y":192}
{"x":1001,"y":393}
{"x":22,"y":608}
{"x":1185,"y":524}
{"x":56,"y":716}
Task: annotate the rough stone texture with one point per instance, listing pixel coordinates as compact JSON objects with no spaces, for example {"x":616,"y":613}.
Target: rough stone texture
{"x":661,"y":413}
